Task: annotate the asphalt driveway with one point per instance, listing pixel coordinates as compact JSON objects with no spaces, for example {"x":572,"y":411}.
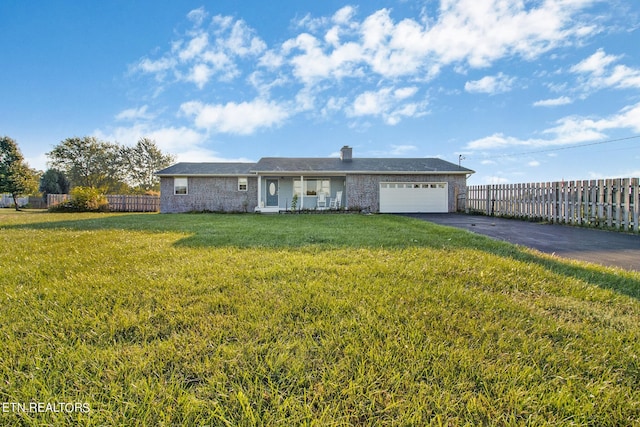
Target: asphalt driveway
{"x":585,"y":244}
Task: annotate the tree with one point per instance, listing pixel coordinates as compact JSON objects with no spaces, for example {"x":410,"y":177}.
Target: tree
{"x":54,"y":181}
{"x":16,"y":177}
{"x":89,"y":162}
{"x":143,"y":160}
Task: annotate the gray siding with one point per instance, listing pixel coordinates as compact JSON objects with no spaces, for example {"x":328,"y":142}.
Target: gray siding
{"x":363,"y":191}
{"x":220,"y":194}
{"x":217,"y":194}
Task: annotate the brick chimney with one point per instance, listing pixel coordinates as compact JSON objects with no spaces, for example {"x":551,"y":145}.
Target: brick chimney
{"x":346,"y":153}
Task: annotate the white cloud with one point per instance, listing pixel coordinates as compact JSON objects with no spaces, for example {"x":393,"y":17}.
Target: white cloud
{"x":568,"y":130}
{"x":480,"y":32}
{"x":176,"y":139}
{"x":243,"y":118}
{"x":186,"y":144}
{"x":497,"y":140}
{"x":170,"y":139}
{"x":400,"y":150}
{"x":194,"y":48}
{"x":596,"y":64}
{"x":311,"y":24}
{"x":492,"y":85}
{"x":405,"y":92}
{"x":200,"y":75}
{"x":271,"y":60}
{"x":333,"y":105}
{"x":563,"y":100}
{"x":312,"y":65}
{"x":203,"y":53}
{"x":386,"y":58}
{"x":242,"y":41}
{"x":134,"y":114}
{"x":533,"y":163}
{"x":38,"y":161}
{"x":463,"y":32}
{"x":157,"y":67}
{"x":197,"y":16}
{"x":201,"y":154}
{"x":344,"y":15}
{"x":371,"y":103}
{"x":387,"y":103}
{"x":599,"y":73}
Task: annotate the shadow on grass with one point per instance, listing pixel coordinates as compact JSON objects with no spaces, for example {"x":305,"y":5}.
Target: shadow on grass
{"x":326,"y":232}
{"x":618,"y":280}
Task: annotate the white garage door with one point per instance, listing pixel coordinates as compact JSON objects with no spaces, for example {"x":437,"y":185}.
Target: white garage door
{"x":404,"y":197}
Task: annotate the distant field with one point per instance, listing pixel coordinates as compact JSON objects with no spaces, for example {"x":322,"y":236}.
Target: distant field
{"x":250,"y":320}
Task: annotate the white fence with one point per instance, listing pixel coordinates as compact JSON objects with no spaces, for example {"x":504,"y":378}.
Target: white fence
{"x":6,"y":201}
{"x":604,"y":203}
{"x":118,"y":203}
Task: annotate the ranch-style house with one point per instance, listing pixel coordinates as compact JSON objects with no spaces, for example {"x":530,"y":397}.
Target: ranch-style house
{"x":277,"y":184}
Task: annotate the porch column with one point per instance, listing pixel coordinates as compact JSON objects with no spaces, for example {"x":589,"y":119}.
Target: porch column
{"x":301,"y":192}
{"x":259,"y":191}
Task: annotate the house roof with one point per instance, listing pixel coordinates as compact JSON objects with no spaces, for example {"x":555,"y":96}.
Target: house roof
{"x":357,"y":165}
{"x":207,"y":169}
{"x":301,"y":165}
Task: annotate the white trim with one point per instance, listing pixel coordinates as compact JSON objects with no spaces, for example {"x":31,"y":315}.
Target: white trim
{"x":186,"y":186}
{"x":301,"y":191}
{"x":245,"y":183}
{"x":268,"y":210}
{"x":360,"y":172}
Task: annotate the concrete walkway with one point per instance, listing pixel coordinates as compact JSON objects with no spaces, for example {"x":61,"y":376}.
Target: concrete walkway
{"x":585,"y":244}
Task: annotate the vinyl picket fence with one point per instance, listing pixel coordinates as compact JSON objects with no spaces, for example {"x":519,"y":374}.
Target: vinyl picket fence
{"x":6,"y":201}
{"x":606,"y":203}
{"x":118,"y":202}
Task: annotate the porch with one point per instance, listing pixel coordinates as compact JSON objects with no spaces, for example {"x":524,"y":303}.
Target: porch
{"x":295,"y":193}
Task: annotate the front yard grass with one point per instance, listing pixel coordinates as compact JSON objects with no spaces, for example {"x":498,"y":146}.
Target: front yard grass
{"x":207,"y":320}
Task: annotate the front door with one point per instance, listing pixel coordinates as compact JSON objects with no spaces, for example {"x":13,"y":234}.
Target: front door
{"x":272,"y":192}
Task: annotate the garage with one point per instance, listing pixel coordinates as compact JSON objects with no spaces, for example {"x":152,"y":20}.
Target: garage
{"x":406,"y":197}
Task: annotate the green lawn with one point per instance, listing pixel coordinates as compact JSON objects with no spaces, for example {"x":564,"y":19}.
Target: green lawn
{"x":207,"y":320}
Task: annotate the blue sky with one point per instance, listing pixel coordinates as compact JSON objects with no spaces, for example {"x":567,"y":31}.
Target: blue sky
{"x":539,"y":90}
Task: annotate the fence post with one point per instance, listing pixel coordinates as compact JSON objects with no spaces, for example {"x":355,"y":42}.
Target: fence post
{"x":617,"y":200}
{"x":593,"y":203}
{"x":554,"y":202}
{"x":635,"y":199}
{"x":600,"y":205}
{"x":488,"y":200}
{"x":570,"y":204}
{"x":578,"y":205}
{"x":625,"y":207}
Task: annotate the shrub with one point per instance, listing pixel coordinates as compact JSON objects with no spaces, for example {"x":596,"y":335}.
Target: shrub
{"x":83,"y":199}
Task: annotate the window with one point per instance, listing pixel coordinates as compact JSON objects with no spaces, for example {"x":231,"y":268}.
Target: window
{"x":313,"y":187}
{"x":242,"y":184}
{"x":180,"y":186}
